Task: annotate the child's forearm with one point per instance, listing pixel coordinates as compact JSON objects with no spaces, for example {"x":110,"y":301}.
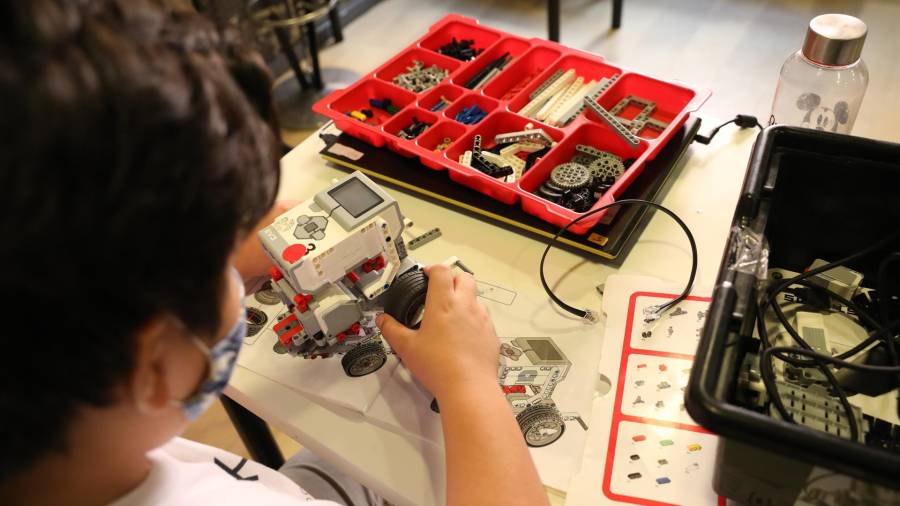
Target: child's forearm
{"x":487,"y":460}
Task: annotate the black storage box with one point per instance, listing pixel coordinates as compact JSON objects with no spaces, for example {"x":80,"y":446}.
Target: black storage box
{"x":812,"y":195}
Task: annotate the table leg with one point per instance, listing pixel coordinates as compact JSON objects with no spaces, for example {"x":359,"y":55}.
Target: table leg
{"x":553,"y":20}
{"x":313,"y":41}
{"x":337,"y":30}
{"x":284,"y":40}
{"x":617,"y":13}
{"x":254,"y":433}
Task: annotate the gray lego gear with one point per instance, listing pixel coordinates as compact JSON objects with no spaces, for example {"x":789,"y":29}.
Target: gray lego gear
{"x":570,"y":176}
{"x":311,"y":227}
{"x":607,"y":165}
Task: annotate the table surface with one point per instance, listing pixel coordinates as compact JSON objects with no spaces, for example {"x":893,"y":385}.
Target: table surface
{"x":407,"y":470}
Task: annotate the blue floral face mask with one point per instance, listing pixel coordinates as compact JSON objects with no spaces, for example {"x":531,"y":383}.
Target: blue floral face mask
{"x":221,"y":358}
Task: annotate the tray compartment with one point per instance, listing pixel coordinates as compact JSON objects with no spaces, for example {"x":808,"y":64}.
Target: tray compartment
{"x":483,"y":37}
{"x":499,"y":122}
{"x":511,"y":46}
{"x":586,"y":68}
{"x":402,"y":120}
{"x":435,"y":135}
{"x":404,"y":60}
{"x":446,"y":90}
{"x":670,"y":100}
{"x":357,"y":97}
{"x":487,"y":104}
{"x":532,"y":63}
{"x":597,"y":136}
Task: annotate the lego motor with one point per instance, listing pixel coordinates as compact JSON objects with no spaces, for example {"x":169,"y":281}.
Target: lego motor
{"x":339,"y":260}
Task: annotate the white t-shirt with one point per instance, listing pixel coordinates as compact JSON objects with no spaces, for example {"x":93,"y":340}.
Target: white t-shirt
{"x":185,"y":473}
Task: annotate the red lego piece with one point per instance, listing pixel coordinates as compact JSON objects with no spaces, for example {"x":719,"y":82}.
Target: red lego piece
{"x":354,"y":329}
{"x":513,"y":389}
{"x":293,"y":253}
{"x":276,"y":274}
{"x":286,"y":337}
{"x":284,"y":323}
{"x":341,"y":337}
{"x":301,"y":300}
{"x":374,"y":264}
{"x":353,"y":277}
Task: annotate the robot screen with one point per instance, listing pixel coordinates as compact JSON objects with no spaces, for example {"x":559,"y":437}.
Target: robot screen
{"x":355,"y":197}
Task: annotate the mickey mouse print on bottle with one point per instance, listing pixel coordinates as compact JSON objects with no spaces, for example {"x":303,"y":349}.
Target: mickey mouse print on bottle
{"x":823,"y":84}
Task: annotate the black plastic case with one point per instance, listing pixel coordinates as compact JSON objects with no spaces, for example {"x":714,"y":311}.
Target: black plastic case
{"x":813,"y":195}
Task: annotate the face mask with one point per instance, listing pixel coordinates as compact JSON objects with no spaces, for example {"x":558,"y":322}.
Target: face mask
{"x":221,"y":359}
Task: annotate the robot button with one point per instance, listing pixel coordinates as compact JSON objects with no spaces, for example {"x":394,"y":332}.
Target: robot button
{"x":293,"y":253}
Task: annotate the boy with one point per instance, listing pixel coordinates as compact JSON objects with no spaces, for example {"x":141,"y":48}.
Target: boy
{"x":138,"y":158}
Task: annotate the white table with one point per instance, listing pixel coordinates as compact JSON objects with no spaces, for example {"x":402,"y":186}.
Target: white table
{"x":406,"y":470}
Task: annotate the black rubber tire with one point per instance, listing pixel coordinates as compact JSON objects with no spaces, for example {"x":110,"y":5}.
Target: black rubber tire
{"x":533,"y":418}
{"x":256,"y":320}
{"x":406,"y":297}
{"x":364,"y":359}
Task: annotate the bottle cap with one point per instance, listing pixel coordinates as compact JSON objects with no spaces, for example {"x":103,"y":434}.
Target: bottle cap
{"x":834,"y":39}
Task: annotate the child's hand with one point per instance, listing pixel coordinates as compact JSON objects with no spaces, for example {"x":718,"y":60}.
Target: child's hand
{"x":250,"y":259}
{"x":456,"y":346}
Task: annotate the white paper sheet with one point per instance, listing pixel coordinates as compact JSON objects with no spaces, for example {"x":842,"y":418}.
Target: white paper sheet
{"x":404,"y":405}
{"x":643,"y":447}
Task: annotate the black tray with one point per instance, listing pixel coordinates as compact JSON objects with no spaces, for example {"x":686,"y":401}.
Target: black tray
{"x":814,"y":195}
{"x":610,"y":239}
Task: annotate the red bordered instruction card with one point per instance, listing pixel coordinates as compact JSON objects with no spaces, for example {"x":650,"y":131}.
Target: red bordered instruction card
{"x":643,"y":447}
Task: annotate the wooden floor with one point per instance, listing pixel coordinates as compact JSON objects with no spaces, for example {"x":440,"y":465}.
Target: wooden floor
{"x":733,"y":47}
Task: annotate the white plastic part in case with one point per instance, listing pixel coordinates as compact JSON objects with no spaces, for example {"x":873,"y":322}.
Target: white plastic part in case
{"x":643,"y":447}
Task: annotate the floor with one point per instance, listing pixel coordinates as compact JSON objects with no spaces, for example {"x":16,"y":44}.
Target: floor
{"x":733,"y":47}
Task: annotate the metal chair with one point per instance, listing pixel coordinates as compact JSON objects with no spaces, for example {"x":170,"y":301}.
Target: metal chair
{"x":294,"y":98}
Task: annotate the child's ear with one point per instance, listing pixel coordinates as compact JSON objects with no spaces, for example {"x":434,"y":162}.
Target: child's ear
{"x":148,"y":386}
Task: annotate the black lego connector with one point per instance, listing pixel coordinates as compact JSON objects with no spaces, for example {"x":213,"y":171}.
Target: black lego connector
{"x":741,"y":120}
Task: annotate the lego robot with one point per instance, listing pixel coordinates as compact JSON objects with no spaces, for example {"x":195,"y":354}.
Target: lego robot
{"x":339,"y":260}
{"x":530,"y":368}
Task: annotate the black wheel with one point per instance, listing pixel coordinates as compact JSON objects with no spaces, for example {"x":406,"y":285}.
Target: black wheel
{"x":541,"y":425}
{"x":256,"y":320}
{"x":364,"y":359}
{"x":405,"y":300}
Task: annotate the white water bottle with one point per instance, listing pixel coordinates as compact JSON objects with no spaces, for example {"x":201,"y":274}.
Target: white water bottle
{"x":822,"y":85}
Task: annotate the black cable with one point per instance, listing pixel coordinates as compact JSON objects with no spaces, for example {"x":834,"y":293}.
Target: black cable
{"x":812,"y":272}
{"x":741,"y":120}
{"x":767,"y":372}
{"x":663,"y":307}
{"x":780,"y":351}
{"x":327,"y":479}
{"x":885,"y":310}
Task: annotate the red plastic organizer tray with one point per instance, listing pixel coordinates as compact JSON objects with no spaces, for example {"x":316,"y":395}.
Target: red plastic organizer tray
{"x":530,"y":57}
